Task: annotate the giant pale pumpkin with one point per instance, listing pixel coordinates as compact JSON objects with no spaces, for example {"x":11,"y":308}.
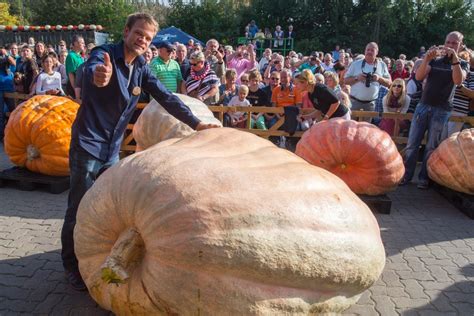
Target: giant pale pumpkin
{"x":452,"y":163}
{"x":38,"y":134}
{"x":155,"y":124}
{"x":361,"y":154}
{"x":223,"y":222}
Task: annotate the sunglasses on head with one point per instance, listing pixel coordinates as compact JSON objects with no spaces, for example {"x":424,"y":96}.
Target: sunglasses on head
{"x":397,"y":86}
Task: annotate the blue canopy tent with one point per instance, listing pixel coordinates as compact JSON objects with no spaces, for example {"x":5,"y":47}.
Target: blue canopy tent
{"x":173,"y":34}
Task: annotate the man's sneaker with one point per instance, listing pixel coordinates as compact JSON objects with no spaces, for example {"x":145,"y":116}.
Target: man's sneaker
{"x":404,"y":181}
{"x":75,"y":279}
{"x":423,"y":184}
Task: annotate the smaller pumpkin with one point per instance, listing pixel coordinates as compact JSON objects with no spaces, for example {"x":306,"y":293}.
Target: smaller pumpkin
{"x":452,"y":163}
{"x":359,"y":153}
{"x":38,"y":134}
{"x":155,"y":124}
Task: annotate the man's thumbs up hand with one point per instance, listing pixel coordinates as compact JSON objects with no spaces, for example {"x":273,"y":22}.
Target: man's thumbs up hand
{"x":103,"y":72}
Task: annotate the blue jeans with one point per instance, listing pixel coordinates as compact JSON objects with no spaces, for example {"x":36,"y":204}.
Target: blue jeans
{"x":433,"y":119}
{"x":5,"y":105}
{"x":84,"y":169}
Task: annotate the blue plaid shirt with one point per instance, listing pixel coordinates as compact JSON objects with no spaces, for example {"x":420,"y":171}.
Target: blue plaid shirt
{"x":378,"y":102}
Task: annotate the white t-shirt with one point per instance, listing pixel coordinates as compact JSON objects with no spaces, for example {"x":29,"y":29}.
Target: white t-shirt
{"x":359,"y":90}
{"x":235,"y":101}
{"x":47,"y":82}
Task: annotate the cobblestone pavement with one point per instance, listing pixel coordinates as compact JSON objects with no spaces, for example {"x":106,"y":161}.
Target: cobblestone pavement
{"x":429,"y":268}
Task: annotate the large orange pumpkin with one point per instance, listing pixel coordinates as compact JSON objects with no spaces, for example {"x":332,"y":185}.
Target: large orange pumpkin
{"x":359,"y":153}
{"x":223,"y":222}
{"x":452,"y":163}
{"x":38,"y":134}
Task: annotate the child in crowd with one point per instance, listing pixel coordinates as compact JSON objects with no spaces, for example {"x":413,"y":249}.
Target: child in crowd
{"x":238,"y":118}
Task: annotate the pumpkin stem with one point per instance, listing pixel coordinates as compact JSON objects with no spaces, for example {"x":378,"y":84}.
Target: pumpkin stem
{"x":124,"y":256}
{"x":32,"y":152}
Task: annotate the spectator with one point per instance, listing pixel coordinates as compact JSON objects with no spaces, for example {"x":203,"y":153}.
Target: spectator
{"x":244,"y":80}
{"x":312,"y":63}
{"x":402,"y":57}
{"x":49,"y":49}
{"x":190,"y":46}
{"x":253,"y":29}
{"x":319,"y":78}
{"x":400,"y":71}
{"x":166,"y":69}
{"x":461,"y":100}
{"x":327,"y":64}
{"x":31,"y":43}
{"x":183,"y":61}
{"x":276,"y":64}
{"x":6,"y":85}
{"x":148,"y":55}
{"x":273,"y":83}
{"x":321,"y":97}
{"x":257,"y":97}
{"x":336,"y":53}
{"x":40,"y":51}
{"x":62,"y":47}
{"x":442,"y":75}
{"x":16,"y":55}
{"x":268,"y":37}
{"x":278,"y":35}
{"x":215,"y":58}
{"x":202,"y":82}
{"x":286,"y":94}
{"x":291,"y":36}
{"x":229,"y":89}
{"x":259,"y":38}
{"x":331,"y":80}
{"x":154,"y":51}
{"x":238,"y":119}
{"x":29,"y":69}
{"x":263,"y":63}
{"x":49,"y":81}
{"x":365,"y":76}
{"x":73,"y":61}
{"x":62,"y":61}
{"x":422,"y":52}
{"x":241,"y":64}
{"x":197,"y":47}
{"x":61,"y":68}
{"x":396,"y":101}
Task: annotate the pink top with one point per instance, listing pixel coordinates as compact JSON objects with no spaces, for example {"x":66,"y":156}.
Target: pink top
{"x":241,"y":66}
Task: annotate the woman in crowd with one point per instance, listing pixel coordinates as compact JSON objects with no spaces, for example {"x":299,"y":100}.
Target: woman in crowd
{"x":49,"y":81}
{"x":40,"y":51}
{"x":61,"y":68}
{"x":321,"y":97}
{"x":275,"y":64}
{"x":396,"y":101}
{"x":202,"y":83}
{"x":331,"y":80}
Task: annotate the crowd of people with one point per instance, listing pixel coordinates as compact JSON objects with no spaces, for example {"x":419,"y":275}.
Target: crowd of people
{"x":333,"y":83}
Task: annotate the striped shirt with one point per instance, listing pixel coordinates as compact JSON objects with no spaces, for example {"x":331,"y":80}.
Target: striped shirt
{"x":168,"y":73}
{"x":207,"y":84}
{"x":461,"y":101}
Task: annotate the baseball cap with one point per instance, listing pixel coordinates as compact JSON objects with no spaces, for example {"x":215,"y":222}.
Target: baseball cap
{"x":165,"y":44}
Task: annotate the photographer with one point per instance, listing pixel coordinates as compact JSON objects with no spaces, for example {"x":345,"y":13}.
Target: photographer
{"x":365,"y":77}
{"x":443,"y":70}
{"x":6,"y":85}
{"x":215,"y":59}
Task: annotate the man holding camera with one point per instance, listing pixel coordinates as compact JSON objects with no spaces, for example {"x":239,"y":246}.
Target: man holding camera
{"x":443,"y":71}
{"x":365,"y":77}
{"x":215,"y":59}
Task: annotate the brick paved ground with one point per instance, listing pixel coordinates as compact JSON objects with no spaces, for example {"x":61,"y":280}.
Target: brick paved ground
{"x":429,"y":269}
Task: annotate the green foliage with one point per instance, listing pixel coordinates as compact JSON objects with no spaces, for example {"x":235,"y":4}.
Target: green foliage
{"x":5,"y":17}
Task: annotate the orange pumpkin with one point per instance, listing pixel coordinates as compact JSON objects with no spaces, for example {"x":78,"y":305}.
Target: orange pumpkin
{"x":452,"y":163}
{"x":38,"y":134}
{"x":359,"y":153}
{"x":222,"y":222}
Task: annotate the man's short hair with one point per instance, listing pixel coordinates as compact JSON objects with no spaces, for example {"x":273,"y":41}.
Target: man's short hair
{"x":374,"y":44}
{"x":212,"y":40}
{"x":458,"y":35}
{"x":134,"y":17}
{"x":26,"y":46}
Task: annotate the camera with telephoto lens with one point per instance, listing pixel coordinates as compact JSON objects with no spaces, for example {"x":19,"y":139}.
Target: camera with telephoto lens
{"x":368,"y":78}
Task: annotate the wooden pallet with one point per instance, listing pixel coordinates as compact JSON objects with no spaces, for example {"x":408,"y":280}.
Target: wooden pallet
{"x":464,"y":202}
{"x":378,"y":203}
{"x":26,"y":180}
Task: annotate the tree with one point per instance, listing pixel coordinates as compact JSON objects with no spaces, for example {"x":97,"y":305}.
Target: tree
{"x":5,"y":17}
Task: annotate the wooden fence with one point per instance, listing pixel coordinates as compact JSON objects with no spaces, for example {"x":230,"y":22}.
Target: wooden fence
{"x":128,"y":144}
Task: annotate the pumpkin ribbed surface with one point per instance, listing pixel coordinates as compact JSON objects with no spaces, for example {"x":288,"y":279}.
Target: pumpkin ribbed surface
{"x":452,"y":163}
{"x":223,"y":222}
{"x":155,"y":124}
{"x":38,"y":134}
{"x":359,"y":153}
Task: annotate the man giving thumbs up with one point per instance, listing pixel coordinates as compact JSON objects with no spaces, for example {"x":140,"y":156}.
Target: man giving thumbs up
{"x":114,"y":77}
